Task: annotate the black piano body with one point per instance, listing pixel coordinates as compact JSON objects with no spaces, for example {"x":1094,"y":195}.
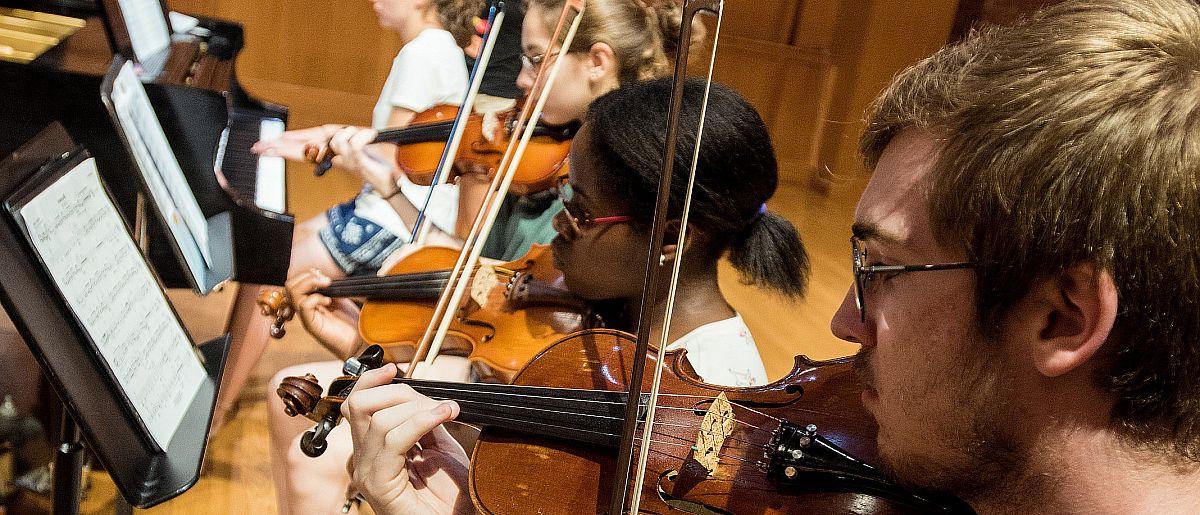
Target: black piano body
{"x":208,"y":117}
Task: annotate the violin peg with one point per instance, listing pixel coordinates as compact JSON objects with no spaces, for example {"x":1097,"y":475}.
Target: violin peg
{"x":277,"y":329}
{"x":299,"y":394}
{"x":274,"y":303}
{"x":314,"y":153}
{"x":372,"y":357}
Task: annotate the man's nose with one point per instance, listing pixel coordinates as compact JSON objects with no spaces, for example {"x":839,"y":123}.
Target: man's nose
{"x":525,"y":79}
{"x":847,"y":322}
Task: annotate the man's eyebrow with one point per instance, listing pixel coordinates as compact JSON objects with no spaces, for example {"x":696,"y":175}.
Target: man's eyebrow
{"x":872,"y":231}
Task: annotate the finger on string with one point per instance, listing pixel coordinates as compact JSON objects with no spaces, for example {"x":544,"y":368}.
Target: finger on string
{"x":441,"y":440}
{"x":342,"y":140}
{"x":368,"y":401}
{"x":362,"y":138}
{"x":312,"y":302}
{"x":381,"y":422}
{"x":307,"y":281}
{"x":370,"y":394}
{"x":372,"y":378}
{"x":401,"y":438}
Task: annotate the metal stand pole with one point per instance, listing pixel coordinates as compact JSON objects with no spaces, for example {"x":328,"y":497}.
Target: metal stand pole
{"x":68,"y":468}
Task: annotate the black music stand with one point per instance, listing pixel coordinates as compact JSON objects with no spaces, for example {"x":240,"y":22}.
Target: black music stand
{"x":92,"y":396}
{"x":220,"y":228}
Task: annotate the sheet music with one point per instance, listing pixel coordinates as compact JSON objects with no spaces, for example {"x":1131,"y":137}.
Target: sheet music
{"x":156,"y":161}
{"x":79,"y":235}
{"x":147,"y":27}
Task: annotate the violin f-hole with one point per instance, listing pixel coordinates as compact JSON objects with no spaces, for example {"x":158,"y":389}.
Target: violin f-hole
{"x":666,"y":485}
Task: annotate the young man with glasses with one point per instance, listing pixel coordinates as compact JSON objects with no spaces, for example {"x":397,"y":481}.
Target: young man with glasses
{"x":1026,"y":265}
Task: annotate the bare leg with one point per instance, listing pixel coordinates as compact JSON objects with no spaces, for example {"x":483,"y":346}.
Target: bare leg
{"x":250,"y":330}
{"x":285,"y":431}
{"x":318,"y":485}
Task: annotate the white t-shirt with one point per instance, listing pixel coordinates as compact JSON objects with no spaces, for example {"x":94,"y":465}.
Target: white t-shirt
{"x":429,"y":70}
{"x":723,"y":353}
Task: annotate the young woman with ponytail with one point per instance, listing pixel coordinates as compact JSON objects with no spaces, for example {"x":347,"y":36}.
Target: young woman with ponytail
{"x":615,"y":169}
{"x":601,"y":249}
{"x":618,"y":42}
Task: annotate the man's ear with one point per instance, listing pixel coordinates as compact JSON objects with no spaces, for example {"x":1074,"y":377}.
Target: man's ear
{"x":601,"y":59}
{"x":1066,"y":318}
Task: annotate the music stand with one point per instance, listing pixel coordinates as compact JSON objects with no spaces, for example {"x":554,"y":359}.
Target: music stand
{"x":202,"y":276}
{"x":147,"y":468}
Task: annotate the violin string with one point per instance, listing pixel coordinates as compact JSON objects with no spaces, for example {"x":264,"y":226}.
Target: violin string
{"x":448,"y":389}
{"x":638,"y":438}
{"x":737,"y":420}
{"x":734,"y":403}
{"x":710,"y":432}
{"x":531,"y":396}
{"x":575,"y":428}
{"x":729,"y":417}
{"x":687,"y":446}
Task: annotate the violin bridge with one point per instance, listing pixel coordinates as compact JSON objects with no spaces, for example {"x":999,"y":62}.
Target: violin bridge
{"x":484,"y":281}
{"x":716,"y":426}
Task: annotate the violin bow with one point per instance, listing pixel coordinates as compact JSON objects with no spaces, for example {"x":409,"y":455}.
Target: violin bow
{"x":444,"y":312}
{"x":629,"y":433}
{"x":420,"y":230}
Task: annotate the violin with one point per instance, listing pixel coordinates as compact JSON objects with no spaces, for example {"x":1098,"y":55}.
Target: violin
{"x":516,"y":301}
{"x":548,"y":444}
{"x":420,"y":146}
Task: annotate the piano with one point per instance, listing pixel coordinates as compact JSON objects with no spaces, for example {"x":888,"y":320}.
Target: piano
{"x":210,"y":120}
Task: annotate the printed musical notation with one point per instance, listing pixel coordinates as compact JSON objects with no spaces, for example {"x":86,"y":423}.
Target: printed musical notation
{"x":79,"y":236}
{"x":156,"y":161}
{"x":147,"y":26}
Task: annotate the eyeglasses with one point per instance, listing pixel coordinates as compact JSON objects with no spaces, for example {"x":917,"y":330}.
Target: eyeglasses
{"x":578,"y":216}
{"x":532,"y":61}
{"x":864,"y":273}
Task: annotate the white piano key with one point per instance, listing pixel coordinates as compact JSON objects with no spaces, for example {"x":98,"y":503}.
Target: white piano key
{"x":270,"y":185}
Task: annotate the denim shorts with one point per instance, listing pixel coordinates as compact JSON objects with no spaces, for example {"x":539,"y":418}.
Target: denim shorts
{"x":358,"y":245}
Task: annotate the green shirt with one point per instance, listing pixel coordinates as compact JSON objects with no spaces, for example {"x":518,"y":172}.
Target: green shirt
{"x":523,"y":222}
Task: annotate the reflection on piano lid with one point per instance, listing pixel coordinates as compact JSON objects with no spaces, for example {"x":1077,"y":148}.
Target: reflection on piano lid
{"x":257,"y":180}
{"x":25,"y":35}
{"x":73,"y":8}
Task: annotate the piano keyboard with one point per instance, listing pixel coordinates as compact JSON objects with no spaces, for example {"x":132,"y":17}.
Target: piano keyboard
{"x":252,"y":178}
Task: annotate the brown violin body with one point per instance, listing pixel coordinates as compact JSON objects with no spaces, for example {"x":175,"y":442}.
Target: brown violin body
{"x":549,"y":441}
{"x":511,"y":313}
{"x":513,"y":472}
{"x":419,"y":148}
{"x":541,"y":166}
{"x":496,"y":326}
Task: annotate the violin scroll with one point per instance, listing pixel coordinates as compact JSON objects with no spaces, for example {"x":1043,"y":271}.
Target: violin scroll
{"x":277,"y":304}
{"x":299,"y":394}
{"x":302,"y":396}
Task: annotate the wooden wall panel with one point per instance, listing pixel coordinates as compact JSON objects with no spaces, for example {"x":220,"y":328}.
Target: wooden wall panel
{"x":790,"y":87}
{"x":329,"y":45}
{"x":766,"y":20}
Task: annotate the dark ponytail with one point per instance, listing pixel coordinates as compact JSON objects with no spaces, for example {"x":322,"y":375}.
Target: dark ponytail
{"x":736,"y":174}
{"x":768,"y":253}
